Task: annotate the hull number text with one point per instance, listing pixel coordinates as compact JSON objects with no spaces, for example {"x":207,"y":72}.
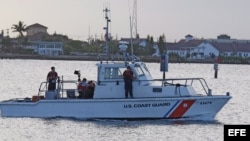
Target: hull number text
{"x":205,"y":102}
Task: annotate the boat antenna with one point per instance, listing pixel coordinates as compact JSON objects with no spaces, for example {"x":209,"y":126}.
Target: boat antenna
{"x":107,"y":35}
{"x":131,"y":34}
{"x":131,"y":40}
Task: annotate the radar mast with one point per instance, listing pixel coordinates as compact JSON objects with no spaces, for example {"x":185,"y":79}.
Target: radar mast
{"x":107,"y":34}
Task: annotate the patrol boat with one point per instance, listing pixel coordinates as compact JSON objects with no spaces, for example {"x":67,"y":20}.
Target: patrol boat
{"x":177,"y":98}
{"x":152,"y":98}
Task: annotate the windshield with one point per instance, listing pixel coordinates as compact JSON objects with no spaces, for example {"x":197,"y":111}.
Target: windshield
{"x":142,"y":69}
{"x":145,"y":69}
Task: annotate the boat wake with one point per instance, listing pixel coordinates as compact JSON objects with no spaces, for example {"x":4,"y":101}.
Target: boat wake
{"x":152,"y":121}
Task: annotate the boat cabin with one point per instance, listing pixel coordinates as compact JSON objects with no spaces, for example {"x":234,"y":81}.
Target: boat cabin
{"x":113,"y":72}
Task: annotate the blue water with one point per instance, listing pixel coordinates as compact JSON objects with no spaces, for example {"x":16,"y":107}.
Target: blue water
{"x":21,"y":78}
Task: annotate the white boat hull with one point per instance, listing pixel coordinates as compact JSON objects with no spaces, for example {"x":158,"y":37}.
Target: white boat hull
{"x":184,"y":107}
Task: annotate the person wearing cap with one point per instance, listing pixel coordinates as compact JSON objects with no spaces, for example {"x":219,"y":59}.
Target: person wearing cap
{"x":51,"y":78}
{"x":128,"y":76}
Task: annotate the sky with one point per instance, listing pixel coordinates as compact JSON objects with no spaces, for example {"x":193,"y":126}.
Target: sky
{"x":79,"y":19}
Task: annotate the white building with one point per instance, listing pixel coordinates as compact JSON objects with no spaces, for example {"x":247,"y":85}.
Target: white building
{"x":211,"y":48}
{"x":48,"y":48}
{"x":36,"y":34}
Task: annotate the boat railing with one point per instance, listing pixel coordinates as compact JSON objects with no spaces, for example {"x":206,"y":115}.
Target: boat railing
{"x":42,"y":88}
{"x":187,"y":81}
{"x":69,"y":87}
{"x":168,"y":82}
{"x":118,"y":57}
{"x":63,"y":86}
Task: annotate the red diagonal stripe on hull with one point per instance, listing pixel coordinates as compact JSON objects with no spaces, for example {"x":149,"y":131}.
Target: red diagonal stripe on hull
{"x":182,"y":108}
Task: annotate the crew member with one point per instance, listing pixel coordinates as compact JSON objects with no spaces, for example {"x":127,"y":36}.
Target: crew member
{"x":82,"y":87}
{"x":51,"y":78}
{"x":90,"y":89}
{"x":128,"y":77}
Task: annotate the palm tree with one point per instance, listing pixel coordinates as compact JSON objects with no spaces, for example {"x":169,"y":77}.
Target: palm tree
{"x":20,"y":28}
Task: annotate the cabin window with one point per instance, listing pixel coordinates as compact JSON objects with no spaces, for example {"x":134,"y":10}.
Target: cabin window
{"x":113,"y":73}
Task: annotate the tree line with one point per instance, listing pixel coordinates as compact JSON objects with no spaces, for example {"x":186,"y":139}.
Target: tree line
{"x":76,"y":45}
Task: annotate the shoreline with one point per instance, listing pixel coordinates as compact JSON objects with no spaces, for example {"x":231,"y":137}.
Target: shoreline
{"x":95,"y":58}
{"x":69,"y":57}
